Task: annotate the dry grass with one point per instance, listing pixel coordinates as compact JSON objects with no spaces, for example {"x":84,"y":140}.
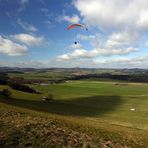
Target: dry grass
{"x":20,"y":128}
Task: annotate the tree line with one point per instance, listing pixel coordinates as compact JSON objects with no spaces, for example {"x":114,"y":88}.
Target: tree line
{"x":15,"y":83}
{"x":124,"y":77}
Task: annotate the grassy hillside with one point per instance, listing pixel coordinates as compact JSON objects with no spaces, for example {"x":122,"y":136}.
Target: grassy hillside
{"x":100,"y":108}
{"x":25,"y":128}
{"x":21,"y":128}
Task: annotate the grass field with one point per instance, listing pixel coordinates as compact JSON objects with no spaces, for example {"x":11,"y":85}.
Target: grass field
{"x":101,"y":105}
{"x":109,"y":101}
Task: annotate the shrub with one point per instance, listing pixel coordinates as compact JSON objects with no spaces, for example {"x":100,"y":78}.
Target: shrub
{"x":5,"y":92}
{"x":49,"y":97}
{"x":18,"y":86}
{"x":3,"y":78}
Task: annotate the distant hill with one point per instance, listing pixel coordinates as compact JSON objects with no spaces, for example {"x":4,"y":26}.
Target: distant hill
{"x":75,"y":69}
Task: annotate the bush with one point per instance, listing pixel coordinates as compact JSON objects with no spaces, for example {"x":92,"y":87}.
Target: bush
{"x":5,"y":92}
{"x":3,"y":78}
{"x":18,"y":86}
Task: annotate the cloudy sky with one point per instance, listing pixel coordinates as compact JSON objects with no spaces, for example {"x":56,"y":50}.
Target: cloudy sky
{"x":33,"y":33}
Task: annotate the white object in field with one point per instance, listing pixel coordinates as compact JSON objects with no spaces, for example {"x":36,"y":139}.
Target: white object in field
{"x":132,"y":109}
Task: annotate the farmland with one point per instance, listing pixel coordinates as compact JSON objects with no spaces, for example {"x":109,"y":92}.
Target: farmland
{"x":98,"y":106}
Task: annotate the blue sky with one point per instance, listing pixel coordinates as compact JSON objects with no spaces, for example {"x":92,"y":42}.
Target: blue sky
{"x":33,"y":33}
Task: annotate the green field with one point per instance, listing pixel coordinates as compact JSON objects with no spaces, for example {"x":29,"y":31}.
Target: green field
{"x":107,"y":101}
{"x":46,"y":76}
{"x":101,"y":105}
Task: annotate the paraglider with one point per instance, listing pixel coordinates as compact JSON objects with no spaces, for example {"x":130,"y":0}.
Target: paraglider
{"x":77,"y":25}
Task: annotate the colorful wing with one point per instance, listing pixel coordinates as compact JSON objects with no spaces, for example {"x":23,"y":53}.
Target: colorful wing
{"x":75,"y":25}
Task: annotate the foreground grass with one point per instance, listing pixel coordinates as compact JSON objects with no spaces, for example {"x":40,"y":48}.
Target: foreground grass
{"x":25,"y":128}
{"x":20,"y":129}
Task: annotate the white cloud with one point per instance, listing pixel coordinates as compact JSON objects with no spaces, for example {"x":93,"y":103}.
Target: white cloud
{"x":85,"y":37}
{"x":140,"y":62}
{"x":110,"y":52}
{"x":119,"y":43}
{"x":122,"y":39}
{"x":26,"y":26}
{"x":116,"y":40}
{"x":74,"y":19}
{"x":98,"y":52}
{"x":83,"y":54}
{"x":122,"y":23}
{"x":121,"y":14}
{"x":76,"y":46}
{"x":78,"y":51}
{"x":29,"y":39}
{"x":124,"y":62}
{"x":11,"y":48}
{"x":115,"y":62}
{"x":63,"y":57}
{"x":141,"y":23}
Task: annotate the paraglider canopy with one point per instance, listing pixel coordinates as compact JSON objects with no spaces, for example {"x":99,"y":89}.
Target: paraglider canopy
{"x":75,"y":25}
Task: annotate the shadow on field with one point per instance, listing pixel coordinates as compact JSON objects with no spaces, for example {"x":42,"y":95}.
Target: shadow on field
{"x":85,"y":106}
